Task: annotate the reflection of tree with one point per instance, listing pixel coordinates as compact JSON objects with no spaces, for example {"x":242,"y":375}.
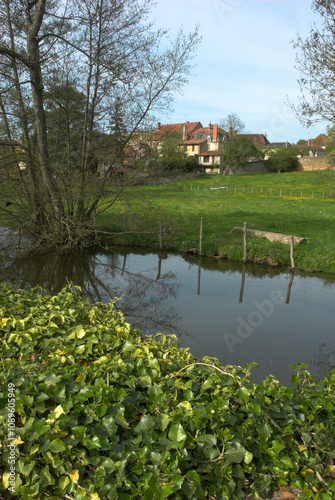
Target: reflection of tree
{"x":102,"y":276}
{"x":323,"y":360}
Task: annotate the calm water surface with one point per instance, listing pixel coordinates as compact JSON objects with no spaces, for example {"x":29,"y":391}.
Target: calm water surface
{"x":226,"y":310}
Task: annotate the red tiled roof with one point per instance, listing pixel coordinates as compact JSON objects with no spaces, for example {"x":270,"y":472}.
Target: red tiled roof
{"x":179,"y":127}
{"x":194,"y":141}
{"x":259,"y":140}
{"x":320,"y":140}
{"x":211,"y":153}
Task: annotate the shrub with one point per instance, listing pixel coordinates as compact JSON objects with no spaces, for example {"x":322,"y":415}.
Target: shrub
{"x":103,"y":413}
{"x":283,"y":160}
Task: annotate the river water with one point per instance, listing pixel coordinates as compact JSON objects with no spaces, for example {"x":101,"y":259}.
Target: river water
{"x":234,"y":312}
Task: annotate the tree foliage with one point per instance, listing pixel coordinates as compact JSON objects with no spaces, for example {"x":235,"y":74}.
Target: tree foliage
{"x":238,"y":151}
{"x":283,"y":160}
{"x":101,"y":412}
{"x":170,"y":152}
{"x":315,"y":62}
{"x":77,"y":81}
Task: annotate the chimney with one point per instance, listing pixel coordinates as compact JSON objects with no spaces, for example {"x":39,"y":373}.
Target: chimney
{"x":159,"y":125}
{"x":215,"y":132}
{"x":309,"y":142}
{"x":210,"y":126}
{"x":184,"y":132}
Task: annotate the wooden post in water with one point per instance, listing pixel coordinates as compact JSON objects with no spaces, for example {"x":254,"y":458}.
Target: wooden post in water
{"x":160,"y":235}
{"x":288,"y":295}
{"x":159,"y":266}
{"x":200,"y":238}
{"x":124,"y":264}
{"x":242,"y":286}
{"x":245,"y":242}
{"x":292,"y":253}
{"x":199,"y":274}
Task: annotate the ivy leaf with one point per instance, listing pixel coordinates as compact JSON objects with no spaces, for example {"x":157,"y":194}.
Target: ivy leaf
{"x":56,"y":446}
{"x":146,"y":423}
{"x":248,"y":457}
{"x":235,"y":454}
{"x":74,"y":476}
{"x":207,"y":440}
{"x":177,"y":433}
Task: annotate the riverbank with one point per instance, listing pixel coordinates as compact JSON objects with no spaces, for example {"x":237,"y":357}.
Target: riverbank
{"x":295,"y":203}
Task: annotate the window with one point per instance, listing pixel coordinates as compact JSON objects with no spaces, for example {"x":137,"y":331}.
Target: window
{"x":193,"y":147}
{"x":206,"y":159}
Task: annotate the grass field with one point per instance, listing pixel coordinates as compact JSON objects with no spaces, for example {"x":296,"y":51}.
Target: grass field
{"x":296,"y":203}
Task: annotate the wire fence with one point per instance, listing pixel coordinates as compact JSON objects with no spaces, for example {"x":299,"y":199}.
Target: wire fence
{"x":250,"y":190}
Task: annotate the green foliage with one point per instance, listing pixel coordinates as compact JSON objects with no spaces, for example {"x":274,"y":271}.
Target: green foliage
{"x":239,"y":150}
{"x":103,"y":413}
{"x":170,"y":153}
{"x":283,"y":160}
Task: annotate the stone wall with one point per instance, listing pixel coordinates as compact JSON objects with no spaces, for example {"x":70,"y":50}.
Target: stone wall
{"x":253,"y":167}
{"x":306,"y":163}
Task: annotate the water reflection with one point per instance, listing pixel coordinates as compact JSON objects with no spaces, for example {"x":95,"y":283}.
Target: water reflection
{"x":237,"y":313}
{"x":103,"y":276}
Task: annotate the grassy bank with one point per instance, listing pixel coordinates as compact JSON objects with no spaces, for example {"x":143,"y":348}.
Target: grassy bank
{"x":296,"y":203}
{"x":92,"y":410}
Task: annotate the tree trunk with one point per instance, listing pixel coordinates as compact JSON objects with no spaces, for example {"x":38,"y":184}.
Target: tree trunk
{"x":33,"y":53}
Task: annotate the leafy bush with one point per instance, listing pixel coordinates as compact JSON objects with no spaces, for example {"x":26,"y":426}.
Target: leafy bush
{"x":283,"y":160}
{"x":103,"y":413}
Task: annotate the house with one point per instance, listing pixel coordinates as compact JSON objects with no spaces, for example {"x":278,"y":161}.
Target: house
{"x":280,"y":145}
{"x":259,"y":140}
{"x":317,"y":147}
{"x":206,"y":144}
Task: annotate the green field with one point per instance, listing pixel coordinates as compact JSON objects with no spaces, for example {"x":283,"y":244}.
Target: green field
{"x":296,"y":203}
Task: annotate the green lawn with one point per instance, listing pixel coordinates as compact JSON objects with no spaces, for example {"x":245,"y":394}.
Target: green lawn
{"x":296,"y":203}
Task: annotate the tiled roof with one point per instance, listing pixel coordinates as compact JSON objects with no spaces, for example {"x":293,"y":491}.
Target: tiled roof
{"x":259,"y":140}
{"x":194,"y":141}
{"x":179,"y":127}
{"x":320,"y":140}
{"x":211,"y":153}
{"x":280,"y":144}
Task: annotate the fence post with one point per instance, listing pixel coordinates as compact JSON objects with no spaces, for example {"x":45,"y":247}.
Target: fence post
{"x":200,"y":239}
{"x":292,"y":253}
{"x":244,"y":242}
{"x":124,"y":223}
{"x":160,"y":235}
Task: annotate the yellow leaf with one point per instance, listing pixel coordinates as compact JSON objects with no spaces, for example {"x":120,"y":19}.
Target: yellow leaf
{"x":74,"y":476}
{"x":18,"y":441}
{"x":95,"y":496}
{"x":185,"y":405}
{"x":302,"y":448}
{"x":58,"y":411}
{"x":81,"y":333}
{"x":5,"y":481}
{"x":315,"y":489}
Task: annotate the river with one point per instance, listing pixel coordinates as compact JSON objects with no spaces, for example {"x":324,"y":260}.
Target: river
{"x":234,"y":312}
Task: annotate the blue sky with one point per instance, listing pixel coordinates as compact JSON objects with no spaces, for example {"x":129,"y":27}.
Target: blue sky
{"x":245,"y":63}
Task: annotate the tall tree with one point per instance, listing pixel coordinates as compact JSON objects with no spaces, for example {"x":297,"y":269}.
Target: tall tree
{"x":232,"y":124}
{"x":237,"y":150}
{"x":316,"y":63}
{"x":71,"y":74}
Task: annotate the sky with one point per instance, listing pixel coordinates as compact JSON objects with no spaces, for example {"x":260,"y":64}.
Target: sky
{"x":245,"y":63}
